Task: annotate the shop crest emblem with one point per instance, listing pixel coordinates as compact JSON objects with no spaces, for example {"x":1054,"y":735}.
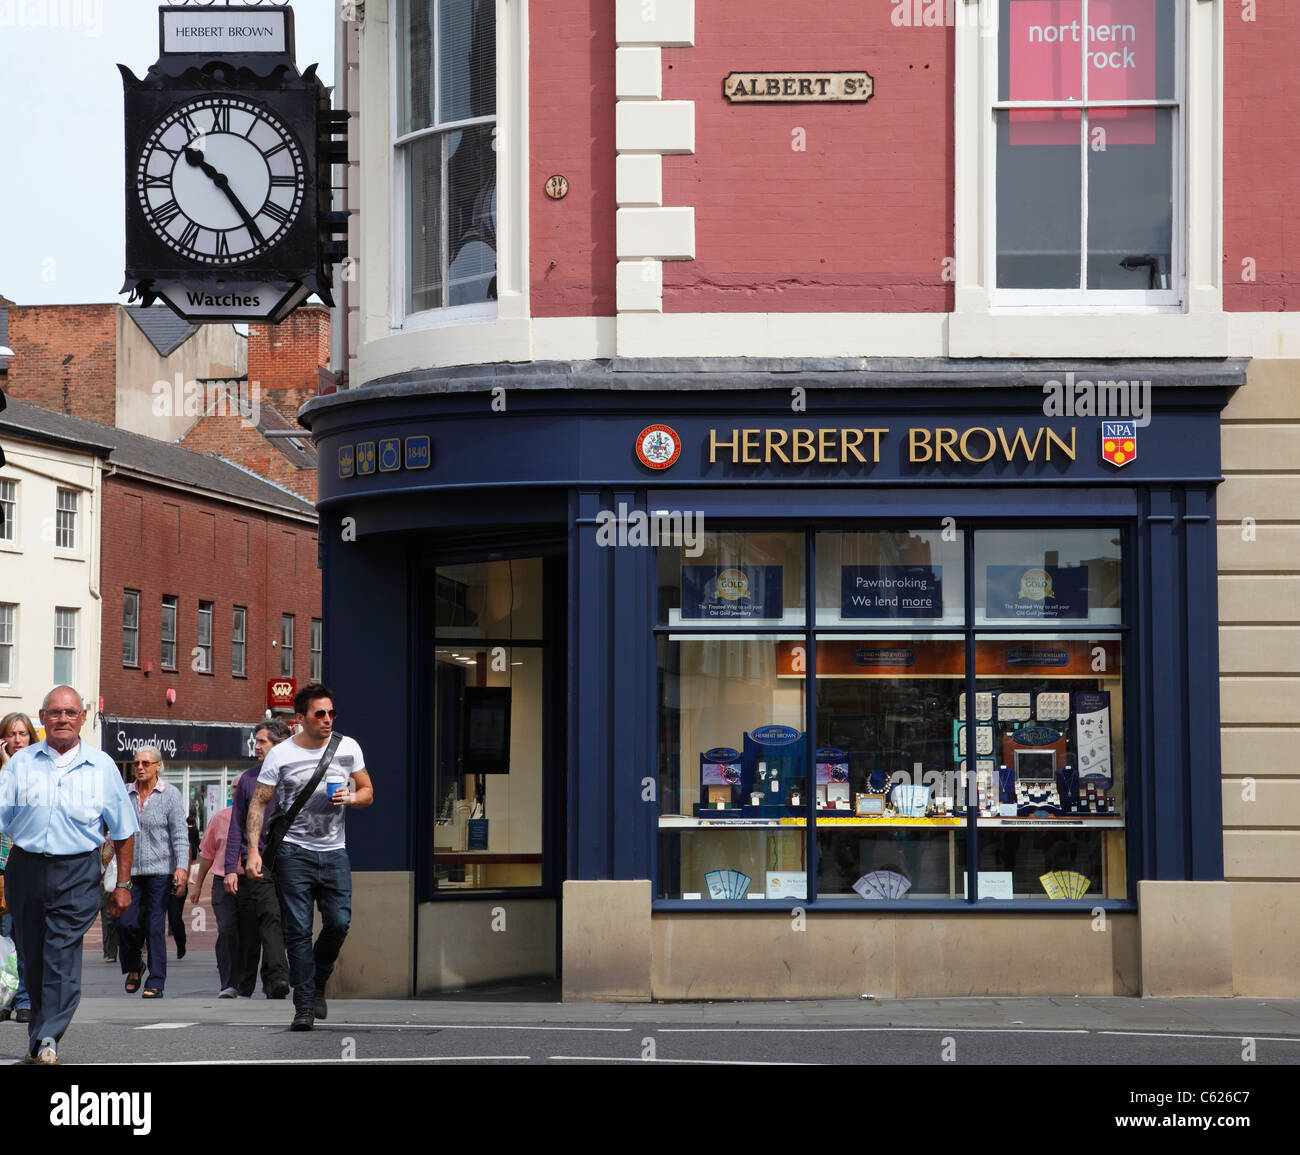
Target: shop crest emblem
{"x":1118,"y":442}
{"x":658,"y":446}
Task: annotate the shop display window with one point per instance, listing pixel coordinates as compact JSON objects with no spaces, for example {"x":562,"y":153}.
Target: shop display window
{"x":888,"y":785}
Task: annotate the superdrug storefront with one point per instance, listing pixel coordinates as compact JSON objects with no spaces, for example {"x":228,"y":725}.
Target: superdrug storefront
{"x":660,"y":657}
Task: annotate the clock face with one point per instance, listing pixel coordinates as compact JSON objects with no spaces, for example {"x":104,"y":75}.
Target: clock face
{"x":221,"y":180}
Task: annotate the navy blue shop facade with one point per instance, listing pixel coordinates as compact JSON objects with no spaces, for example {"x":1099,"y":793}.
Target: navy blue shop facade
{"x":718,"y":629}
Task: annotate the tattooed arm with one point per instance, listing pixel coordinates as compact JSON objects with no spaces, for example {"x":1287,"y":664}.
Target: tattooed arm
{"x":256,"y":813}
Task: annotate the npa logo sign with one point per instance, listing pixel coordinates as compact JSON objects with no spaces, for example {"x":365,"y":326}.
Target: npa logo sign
{"x":280,"y":692}
{"x":1118,"y":442}
{"x":658,"y":446}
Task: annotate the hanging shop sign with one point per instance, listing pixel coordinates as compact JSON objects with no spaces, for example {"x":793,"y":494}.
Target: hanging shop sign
{"x":798,"y":87}
{"x":229,"y":153}
{"x":280,"y":692}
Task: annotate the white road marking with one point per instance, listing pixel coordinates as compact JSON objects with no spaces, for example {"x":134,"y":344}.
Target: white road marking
{"x":1228,"y":1036}
{"x":309,"y":1062}
{"x":165,"y":1026}
{"x":696,"y":1062}
{"x":873,"y":1030}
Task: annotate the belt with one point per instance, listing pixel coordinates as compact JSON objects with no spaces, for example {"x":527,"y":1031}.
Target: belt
{"x":42,"y":854}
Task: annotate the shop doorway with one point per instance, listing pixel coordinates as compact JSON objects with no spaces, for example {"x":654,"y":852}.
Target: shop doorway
{"x":491,"y":775}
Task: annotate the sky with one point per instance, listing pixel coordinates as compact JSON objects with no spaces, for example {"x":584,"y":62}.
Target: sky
{"x":62,"y":176}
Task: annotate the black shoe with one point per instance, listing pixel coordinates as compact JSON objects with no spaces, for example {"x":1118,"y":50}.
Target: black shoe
{"x":320,"y":1010}
{"x":5,"y":1012}
{"x":24,"y":1015}
{"x":180,"y":950}
{"x":302,"y":1021}
{"x":279,"y":993}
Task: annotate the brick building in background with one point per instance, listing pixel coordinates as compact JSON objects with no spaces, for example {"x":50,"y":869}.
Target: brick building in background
{"x":209,"y":589}
{"x":144,"y":370}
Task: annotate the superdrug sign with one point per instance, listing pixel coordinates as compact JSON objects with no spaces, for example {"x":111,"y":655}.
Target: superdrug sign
{"x":229,"y":155}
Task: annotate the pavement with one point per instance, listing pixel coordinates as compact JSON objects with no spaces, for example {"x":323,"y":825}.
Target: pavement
{"x":525,"y":1022}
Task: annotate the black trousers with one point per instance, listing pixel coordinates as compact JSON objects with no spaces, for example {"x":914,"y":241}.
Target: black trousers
{"x":54,"y":902}
{"x":260,"y":934}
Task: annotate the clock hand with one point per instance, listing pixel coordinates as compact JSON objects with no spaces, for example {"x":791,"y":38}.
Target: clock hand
{"x":195,"y":158}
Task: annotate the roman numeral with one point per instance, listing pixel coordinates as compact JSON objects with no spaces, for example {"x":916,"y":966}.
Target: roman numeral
{"x":278,"y":148}
{"x":221,"y":118}
{"x":165,"y":214}
{"x":191,"y":128}
{"x":276,"y":212}
{"x":284,"y":182}
{"x":189,"y":236}
{"x":157,"y":181}
{"x":223,"y":246}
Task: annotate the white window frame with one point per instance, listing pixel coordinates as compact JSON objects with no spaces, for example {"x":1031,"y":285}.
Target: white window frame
{"x":286,"y":645}
{"x":982,"y":324}
{"x":383,"y":180}
{"x":9,"y":639}
{"x":446,"y":314}
{"x":208,"y":609}
{"x":317,"y":666}
{"x":169,"y":602}
{"x":1129,"y":300}
{"x":9,"y":498}
{"x":72,"y":528}
{"x":238,"y":639}
{"x":65,"y":639}
{"x":134,"y":661}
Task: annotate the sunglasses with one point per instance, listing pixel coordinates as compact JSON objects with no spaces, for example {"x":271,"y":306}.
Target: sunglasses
{"x":145,"y":763}
{"x":324,"y":713}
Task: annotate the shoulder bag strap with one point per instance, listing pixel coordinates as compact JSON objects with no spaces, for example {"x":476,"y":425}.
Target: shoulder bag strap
{"x":307,"y":791}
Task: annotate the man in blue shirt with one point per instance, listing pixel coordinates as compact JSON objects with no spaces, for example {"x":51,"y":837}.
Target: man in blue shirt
{"x":55,"y":797}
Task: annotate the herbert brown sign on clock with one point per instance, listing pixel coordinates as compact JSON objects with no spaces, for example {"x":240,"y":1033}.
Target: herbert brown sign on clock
{"x":798,"y":87}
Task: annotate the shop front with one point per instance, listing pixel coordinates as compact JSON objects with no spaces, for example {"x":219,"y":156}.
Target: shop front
{"x":778,"y":681}
{"x":201,"y":759}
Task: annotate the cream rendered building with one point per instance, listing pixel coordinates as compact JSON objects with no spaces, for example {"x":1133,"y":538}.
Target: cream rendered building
{"x":50,"y":601}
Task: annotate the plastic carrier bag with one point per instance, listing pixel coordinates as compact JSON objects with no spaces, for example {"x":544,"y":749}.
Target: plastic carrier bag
{"x":8,"y":971}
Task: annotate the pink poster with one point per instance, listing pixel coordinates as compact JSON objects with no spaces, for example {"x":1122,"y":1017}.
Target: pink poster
{"x":1048,"y":43}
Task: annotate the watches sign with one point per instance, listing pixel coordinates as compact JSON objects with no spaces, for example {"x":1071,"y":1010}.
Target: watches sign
{"x":280,"y":692}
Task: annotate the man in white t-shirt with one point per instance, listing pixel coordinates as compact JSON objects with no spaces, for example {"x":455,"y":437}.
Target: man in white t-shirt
{"x":312,"y":863}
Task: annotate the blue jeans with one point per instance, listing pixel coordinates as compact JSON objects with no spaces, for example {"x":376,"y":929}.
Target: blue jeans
{"x":304,"y":877}
{"x":146,"y":918}
{"x":22,"y":1001}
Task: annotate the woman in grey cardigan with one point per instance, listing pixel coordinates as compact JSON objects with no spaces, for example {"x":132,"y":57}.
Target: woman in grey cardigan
{"x":160,"y":867}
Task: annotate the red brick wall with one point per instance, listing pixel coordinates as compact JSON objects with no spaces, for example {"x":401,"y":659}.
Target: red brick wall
{"x":1261,"y":157}
{"x":860,"y":221}
{"x":289,"y":355}
{"x":235,"y":440}
{"x":65,"y":358}
{"x":141,"y":552}
{"x":571,"y":95}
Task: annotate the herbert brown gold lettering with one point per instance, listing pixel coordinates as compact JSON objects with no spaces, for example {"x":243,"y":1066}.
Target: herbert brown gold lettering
{"x":776,"y":438}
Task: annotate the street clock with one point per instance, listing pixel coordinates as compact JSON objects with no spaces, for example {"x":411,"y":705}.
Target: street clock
{"x":229,"y":154}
